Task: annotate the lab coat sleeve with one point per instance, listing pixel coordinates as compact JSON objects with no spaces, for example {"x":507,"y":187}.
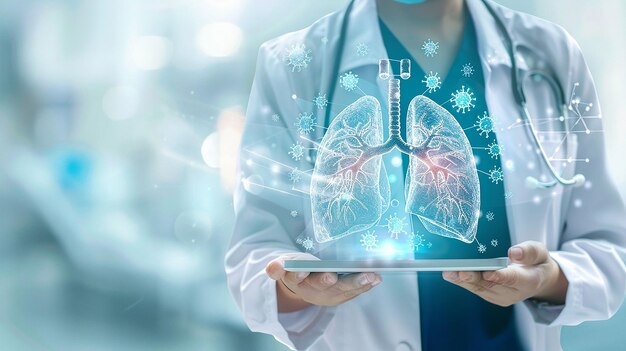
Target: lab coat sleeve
{"x":592,"y":251}
{"x":264,"y":200}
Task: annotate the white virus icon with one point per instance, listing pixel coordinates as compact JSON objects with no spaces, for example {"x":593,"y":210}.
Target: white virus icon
{"x":297,"y":151}
{"x":496,"y":175}
{"x":467,"y":70}
{"x":422,"y":209}
{"x":362,"y":49}
{"x":494,"y":149}
{"x":485,"y":124}
{"x":482,"y":248}
{"x":463,"y":100}
{"x":275,"y":117}
{"x":294,"y":175}
{"x":324,"y":40}
{"x":305,"y":123}
{"x":395,"y":225}
{"x":415,"y":241}
{"x":494,"y":242}
{"x":432,"y":81}
{"x":298,"y":57}
{"x":293,"y":213}
{"x":349,"y":81}
{"x":430,"y":48}
{"x":320,"y":101}
{"x":369,"y":240}
{"x":307,"y":243}
{"x":429,"y":245}
{"x":490,"y":216}
{"x":508,"y":194}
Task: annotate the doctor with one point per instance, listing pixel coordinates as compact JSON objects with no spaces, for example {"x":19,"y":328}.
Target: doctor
{"x":568,"y":244}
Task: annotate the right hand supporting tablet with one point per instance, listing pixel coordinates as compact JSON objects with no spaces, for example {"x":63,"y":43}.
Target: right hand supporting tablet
{"x":298,"y":290}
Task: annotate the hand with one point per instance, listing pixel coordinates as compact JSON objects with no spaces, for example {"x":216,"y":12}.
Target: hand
{"x":296,"y":291}
{"x":534,"y":274}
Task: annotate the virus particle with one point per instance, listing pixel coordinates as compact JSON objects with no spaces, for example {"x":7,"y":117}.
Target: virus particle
{"x":430,"y":48}
{"x":293,"y":213}
{"x":422,"y":209}
{"x":395,"y":225}
{"x":494,"y":242}
{"x":320,"y":101}
{"x":496,"y":175}
{"x":305,"y":123}
{"x":324,"y":40}
{"x":349,"y":81}
{"x":490,"y":216}
{"x":297,"y":151}
{"x":275,"y":117}
{"x":482,"y":248}
{"x":415,"y":241}
{"x":294,"y":175}
{"x":429,"y":245}
{"x":508,"y":194}
{"x":395,"y":203}
{"x":463,"y":100}
{"x":307,"y":243}
{"x":298,"y":57}
{"x":432,"y":81}
{"x":485,"y":124}
{"x":369,"y":240}
{"x":362,"y":49}
{"x":494,"y":149}
{"x":467,"y":70}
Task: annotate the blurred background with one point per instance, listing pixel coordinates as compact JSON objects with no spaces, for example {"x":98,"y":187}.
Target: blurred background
{"x":119,"y":121}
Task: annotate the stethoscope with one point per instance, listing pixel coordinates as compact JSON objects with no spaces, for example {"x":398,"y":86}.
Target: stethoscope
{"x":517,"y":82}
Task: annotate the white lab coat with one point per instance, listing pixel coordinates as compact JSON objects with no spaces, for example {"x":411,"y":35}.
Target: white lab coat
{"x":584,"y":228}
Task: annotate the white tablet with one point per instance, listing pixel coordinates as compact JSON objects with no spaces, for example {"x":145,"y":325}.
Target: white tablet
{"x":440,"y":265}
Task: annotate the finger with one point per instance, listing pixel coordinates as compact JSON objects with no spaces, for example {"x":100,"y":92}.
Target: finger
{"x":293,"y":279}
{"x":529,"y":253}
{"x":470,"y":277}
{"x":507,"y":276}
{"x":275,"y":269}
{"x":357,"y":281}
{"x":320,"y":281}
{"x":345,"y":296}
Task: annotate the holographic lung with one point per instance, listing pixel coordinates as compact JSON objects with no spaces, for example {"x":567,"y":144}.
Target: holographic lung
{"x":349,"y":190}
{"x":442,"y":184}
{"x":349,"y":187}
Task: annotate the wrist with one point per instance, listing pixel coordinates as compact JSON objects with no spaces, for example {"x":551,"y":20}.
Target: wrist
{"x":554,"y":289}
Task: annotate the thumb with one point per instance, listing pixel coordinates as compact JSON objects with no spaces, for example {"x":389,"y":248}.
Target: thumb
{"x":529,"y":253}
{"x":275,"y":269}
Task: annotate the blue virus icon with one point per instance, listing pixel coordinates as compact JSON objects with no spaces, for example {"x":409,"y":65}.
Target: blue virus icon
{"x":485,"y":125}
{"x":430,"y":48}
{"x":298,"y":57}
{"x":305,"y":123}
{"x":496,"y":175}
{"x":395,"y":226}
{"x":369,"y":240}
{"x":415,"y":241}
{"x":307,"y":243}
{"x":463,"y":100}
{"x":432,"y":81}
{"x":494,"y":149}
{"x":349,"y":81}
{"x":482,"y":248}
{"x":467,"y":70}
{"x":275,"y":117}
{"x":494,"y":242}
{"x":320,"y":101}
{"x":297,"y":151}
{"x":294,"y":175}
{"x":490,"y":216}
{"x":362,"y":49}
